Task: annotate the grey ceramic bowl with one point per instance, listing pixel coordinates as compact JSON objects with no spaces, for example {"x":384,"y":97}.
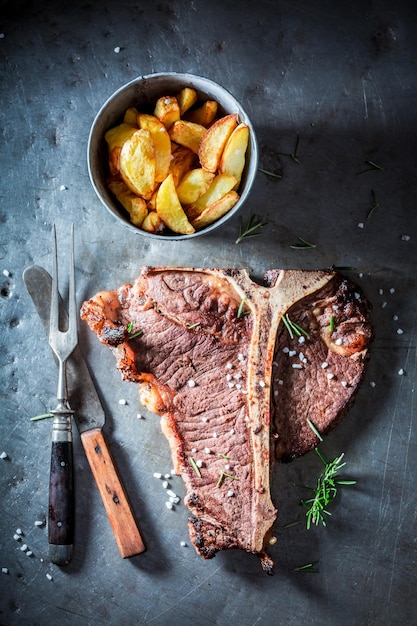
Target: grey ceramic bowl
{"x":142,"y":92}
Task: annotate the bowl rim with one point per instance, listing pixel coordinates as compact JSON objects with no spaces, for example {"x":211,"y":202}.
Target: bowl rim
{"x":186,"y":79}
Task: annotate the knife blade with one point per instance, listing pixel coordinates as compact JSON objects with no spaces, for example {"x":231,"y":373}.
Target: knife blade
{"x":90,"y":424}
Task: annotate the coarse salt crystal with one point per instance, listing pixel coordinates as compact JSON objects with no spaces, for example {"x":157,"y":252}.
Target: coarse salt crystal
{"x":157,"y":475}
{"x":231,"y":384}
{"x":169,"y":505}
{"x":230,"y":494}
{"x":301,"y":339}
{"x":392,"y":290}
{"x":207,"y":450}
{"x":19,"y":531}
{"x":204,"y":419}
{"x":297,"y":366}
{"x":384,"y":304}
{"x":292,"y":353}
{"x":122,"y":401}
{"x":395,"y":318}
{"x":117,"y":49}
{"x":276,"y":393}
{"x":360,"y":274}
{"x":360,"y":225}
{"x":214,"y":435}
{"x":17,"y":537}
{"x":39,"y":523}
{"x":405,"y":237}
{"x":228,"y":377}
{"x":62,"y":188}
{"x":7,"y":273}
{"x":280,"y":382}
{"x":165,"y":484}
{"x":48,"y":576}
{"x":344,"y":383}
{"x":335,"y":307}
{"x":140,"y":416}
{"x":400,"y":331}
{"x":372,"y":384}
{"x":191,"y":383}
{"x":199,"y":463}
{"x":357,"y":295}
{"x":29,"y":553}
{"x":262,"y":383}
{"x":401,"y":372}
{"x":183,"y":544}
{"x":4,"y":570}
{"x":238,"y":386}
{"x":301,"y":356}
{"x":240,"y":357}
{"x":339,"y":341}
{"x":285,"y":350}
{"x":171,"y":493}
{"x":194,"y":450}
{"x":330,"y":375}
{"x":232,"y":431}
{"x":381,"y":292}
{"x":229,"y":366}
{"x":4,"y":455}
{"x":23,"y":547}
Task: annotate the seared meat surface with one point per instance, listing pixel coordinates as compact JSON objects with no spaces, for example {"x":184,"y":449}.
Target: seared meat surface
{"x":206,"y":350}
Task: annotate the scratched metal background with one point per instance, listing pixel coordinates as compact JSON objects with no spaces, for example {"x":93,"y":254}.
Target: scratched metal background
{"x":343,"y":77}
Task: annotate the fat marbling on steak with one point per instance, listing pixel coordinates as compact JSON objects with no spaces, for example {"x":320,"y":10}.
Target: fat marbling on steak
{"x":212,"y":359}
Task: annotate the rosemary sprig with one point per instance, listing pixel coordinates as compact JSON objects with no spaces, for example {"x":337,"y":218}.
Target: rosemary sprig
{"x":325,"y":491}
{"x":293,"y":155}
{"x":195,"y":466}
{"x":293,"y":328}
{"x":254,"y":224}
{"x":308,"y":568}
{"x":373,"y":167}
{"x":374,"y":205}
{"x":302,"y":244}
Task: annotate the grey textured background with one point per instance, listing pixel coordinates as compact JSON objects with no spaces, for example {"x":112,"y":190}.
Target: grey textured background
{"x":342,"y":77}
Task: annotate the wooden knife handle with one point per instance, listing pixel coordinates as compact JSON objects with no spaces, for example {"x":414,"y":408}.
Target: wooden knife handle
{"x":112,"y":493}
{"x":61,"y":496}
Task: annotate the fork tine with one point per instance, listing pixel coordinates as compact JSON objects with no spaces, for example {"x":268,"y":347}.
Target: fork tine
{"x":54,"y":316}
{"x":72,"y":304}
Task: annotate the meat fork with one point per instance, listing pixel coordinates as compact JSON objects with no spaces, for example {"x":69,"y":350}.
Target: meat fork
{"x":61,"y":480}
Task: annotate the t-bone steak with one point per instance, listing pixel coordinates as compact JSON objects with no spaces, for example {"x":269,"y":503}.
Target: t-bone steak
{"x":234,"y":385}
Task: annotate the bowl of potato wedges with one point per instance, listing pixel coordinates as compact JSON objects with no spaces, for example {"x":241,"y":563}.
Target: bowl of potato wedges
{"x":172,"y":155}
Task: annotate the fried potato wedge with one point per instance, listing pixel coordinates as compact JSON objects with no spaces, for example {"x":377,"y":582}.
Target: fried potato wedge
{"x":214,"y":141}
{"x":167,"y":110}
{"x":220,"y":186}
{"x":169,"y":208}
{"x":193,"y":184}
{"x":115,"y":138}
{"x":186,"y":98}
{"x":161,"y":141}
{"x":182,"y":160}
{"x":216,"y":210}
{"x":187,"y":134}
{"x":131,"y":116}
{"x":232,"y":160}
{"x":137,"y":163}
{"x":134,"y":205}
{"x":153,"y":223}
{"x":204,"y":115}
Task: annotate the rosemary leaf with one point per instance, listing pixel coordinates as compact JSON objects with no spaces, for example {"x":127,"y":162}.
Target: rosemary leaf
{"x":314,"y":429}
{"x":241,"y":310}
{"x":308,"y":568}
{"x":302,"y":244}
{"x":374,"y":205}
{"x":268,"y":173}
{"x":41,"y":417}
{"x":195,"y":466}
{"x":331,"y":323}
{"x":190,"y":326}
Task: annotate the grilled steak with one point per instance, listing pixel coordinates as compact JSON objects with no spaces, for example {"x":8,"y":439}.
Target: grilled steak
{"x":212,"y":358}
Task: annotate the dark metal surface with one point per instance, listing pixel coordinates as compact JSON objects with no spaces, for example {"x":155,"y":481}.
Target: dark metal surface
{"x":343,"y":78}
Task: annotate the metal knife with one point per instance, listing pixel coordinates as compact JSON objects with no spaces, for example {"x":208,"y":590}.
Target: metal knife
{"x":38,"y":284}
